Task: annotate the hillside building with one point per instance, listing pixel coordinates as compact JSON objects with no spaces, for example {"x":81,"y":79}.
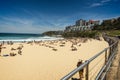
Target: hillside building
{"x":82,"y":25}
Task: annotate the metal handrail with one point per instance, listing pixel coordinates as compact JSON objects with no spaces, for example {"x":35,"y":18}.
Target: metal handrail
{"x":86,"y":63}
{"x":75,"y":71}
{"x":107,"y":65}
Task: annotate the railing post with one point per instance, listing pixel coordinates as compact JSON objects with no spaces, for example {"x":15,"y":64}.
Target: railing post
{"x":87,"y":72}
{"x":117,"y":46}
{"x":105,"y":56}
{"x":105,"y":62}
{"x":110,"y":52}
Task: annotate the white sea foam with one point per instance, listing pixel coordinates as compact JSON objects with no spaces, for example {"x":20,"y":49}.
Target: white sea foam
{"x":44,"y":38}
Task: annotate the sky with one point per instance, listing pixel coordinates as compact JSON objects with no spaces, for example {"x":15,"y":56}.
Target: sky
{"x":37,"y":16}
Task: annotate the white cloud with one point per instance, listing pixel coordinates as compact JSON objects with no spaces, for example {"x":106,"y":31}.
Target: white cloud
{"x":22,"y":25}
{"x":52,"y":21}
{"x":96,"y":4}
{"x":102,"y":2}
{"x":34,"y":22}
{"x":20,"y":29}
{"x":18,"y":20}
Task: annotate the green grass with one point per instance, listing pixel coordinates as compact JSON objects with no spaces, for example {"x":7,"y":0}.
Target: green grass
{"x":111,"y":33}
{"x":84,"y":34}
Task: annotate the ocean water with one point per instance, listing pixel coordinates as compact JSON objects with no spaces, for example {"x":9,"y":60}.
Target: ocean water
{"x":24,"y":37}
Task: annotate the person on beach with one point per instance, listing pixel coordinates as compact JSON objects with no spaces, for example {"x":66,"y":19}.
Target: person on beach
{"x":20,"y":52}
{"x":3,"y":42}
{"x":0,"y":49}
{"x":81,"y":71}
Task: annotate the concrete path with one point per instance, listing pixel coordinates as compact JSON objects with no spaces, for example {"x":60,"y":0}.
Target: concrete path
{"x":118,"y":74}
{"x":114,"y":72}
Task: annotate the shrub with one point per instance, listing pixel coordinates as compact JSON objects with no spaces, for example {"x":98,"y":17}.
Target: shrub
{"x":89,"y":34}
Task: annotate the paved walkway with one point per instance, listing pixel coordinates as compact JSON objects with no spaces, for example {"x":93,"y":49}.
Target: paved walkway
{"x":114,"y":72}
{"x":118,"y":74}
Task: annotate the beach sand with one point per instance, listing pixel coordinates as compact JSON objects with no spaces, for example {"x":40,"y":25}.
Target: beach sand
{"x":49,"y":60}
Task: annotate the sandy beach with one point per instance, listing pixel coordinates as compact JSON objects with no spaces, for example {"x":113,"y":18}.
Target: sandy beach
{"x":48,"y":60}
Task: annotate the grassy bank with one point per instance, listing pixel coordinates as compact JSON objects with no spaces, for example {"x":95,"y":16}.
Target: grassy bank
{"x":84,"y":34}
{"x":113,"y":33}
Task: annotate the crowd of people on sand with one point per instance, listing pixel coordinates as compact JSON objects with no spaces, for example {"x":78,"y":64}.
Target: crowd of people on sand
{"x":13,"y":50}
{"x":61,"y":43}
{"x":75,"y":43}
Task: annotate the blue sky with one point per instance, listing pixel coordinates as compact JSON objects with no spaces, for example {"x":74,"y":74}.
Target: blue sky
{"x":37,"y":16}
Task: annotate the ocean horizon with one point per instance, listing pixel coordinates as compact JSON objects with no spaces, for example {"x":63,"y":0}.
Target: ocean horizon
{"x":18,"y":37}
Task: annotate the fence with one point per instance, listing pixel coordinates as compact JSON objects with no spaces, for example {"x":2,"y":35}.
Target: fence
{"x":104,"y":63}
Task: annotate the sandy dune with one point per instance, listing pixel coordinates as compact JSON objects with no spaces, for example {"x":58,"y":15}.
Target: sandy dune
{"x":48,"y":60}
